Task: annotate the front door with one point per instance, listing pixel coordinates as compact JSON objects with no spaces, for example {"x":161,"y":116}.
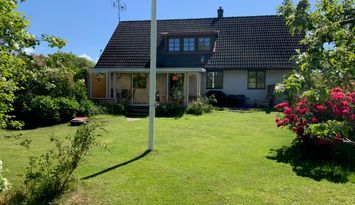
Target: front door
{"x":140,"y":83}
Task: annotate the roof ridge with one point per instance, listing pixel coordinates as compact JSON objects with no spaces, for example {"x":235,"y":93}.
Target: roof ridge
{"x":209,"y":18}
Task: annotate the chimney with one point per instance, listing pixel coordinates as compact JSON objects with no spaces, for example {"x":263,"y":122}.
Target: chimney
{"x":220,"y":12}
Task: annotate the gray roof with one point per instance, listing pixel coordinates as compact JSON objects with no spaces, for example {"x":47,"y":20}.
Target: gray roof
{"x":253,"y":42}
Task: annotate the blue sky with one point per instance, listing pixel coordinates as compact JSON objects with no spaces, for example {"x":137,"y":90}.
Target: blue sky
{"x":88,"y":24}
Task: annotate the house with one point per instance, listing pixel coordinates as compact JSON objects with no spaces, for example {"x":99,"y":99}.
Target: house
{"x":236,"y":55}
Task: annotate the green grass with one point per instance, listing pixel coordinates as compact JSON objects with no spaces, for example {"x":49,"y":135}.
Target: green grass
{"x":218,"y":158}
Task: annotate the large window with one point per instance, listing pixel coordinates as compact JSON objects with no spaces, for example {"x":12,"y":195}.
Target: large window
{"x":174,"y":44}
{"x":139,"y":81}
{"x":256,"y":79}
{"x":204,"y":44}
{"x":189,"y":44}
{"x":214,"y":80}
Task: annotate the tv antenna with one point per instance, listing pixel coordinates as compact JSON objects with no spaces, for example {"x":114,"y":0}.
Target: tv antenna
{"x":117,"y":4}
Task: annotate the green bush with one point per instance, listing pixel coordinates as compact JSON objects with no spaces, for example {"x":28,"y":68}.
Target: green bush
{"x":170,"y":110}
{"x":67,"y":108}
{"x":200,"y":106}
{"x":115,"y":109}
{"x":45,"y":110}
{"x":48,"y":175}
{"x":87,"y":108}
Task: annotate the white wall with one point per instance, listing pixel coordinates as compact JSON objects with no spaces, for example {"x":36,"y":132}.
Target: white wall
{"x":235,"y":83}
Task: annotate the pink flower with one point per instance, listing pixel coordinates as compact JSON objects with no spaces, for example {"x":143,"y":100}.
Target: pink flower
{"x":301,"y":103}
{"x":277,"y":119}
{"x":282,"y":122}
{"x":320,"y":107}
{"x":328,"y":103}
{"x":287,"y":110}
{"x":281,"y":105}
{"x":344,"y":103}
{"x":345,"y":111}
{"x":302,"y":111}
{"x":337,"y":94}
{"x":351,"y":97}
{"x":303,"y":123}
{"x":314,"y":120}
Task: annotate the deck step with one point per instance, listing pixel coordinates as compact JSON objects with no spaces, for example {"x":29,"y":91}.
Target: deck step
{"x":137,"y":111}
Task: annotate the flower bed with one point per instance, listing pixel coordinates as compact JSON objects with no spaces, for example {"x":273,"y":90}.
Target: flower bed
{"x":325,"y":122}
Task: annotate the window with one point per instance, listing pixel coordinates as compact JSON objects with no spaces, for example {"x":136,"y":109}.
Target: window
{"x":174,"y":44}
{"x":139,"y":81}
{"x":256,"y":79}
{"x":189,"y":44}
{"x":204,"y":44}
{"x":215,"y":80}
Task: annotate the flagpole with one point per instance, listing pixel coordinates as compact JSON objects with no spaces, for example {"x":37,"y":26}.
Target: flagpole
{"x":152,"y":75}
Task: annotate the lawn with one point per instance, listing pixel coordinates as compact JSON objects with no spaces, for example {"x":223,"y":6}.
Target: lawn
{"x":218,"y":158}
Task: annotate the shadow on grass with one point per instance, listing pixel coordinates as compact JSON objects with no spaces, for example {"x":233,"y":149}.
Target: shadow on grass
{"x":333,"y":163}
{"x":117,"y":166}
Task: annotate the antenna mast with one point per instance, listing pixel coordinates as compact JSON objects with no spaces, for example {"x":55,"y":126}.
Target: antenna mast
{"x":120,"y":8}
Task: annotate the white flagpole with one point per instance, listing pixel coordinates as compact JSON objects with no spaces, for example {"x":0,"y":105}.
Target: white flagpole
{"x":152,"y":75}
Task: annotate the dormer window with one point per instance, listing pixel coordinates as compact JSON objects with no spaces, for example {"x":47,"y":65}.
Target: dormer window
{"x":189,"y":44}
{"x":204,"y":44}
{"x":174,"y":44}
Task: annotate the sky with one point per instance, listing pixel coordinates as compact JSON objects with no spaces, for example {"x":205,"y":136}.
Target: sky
{"x":87,"y":25}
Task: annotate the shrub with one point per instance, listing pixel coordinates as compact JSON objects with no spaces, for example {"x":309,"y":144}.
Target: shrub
{"x":42,"y":109}
{"x":67,"y":108}
{"x":115,"y":109}
{"x":87,"y":108}
{"x":330,"y":121}
{"x":201,"y":105}
{"x":48,"y":176}
{"x":170,"y":110}
{"x":46,"y":110}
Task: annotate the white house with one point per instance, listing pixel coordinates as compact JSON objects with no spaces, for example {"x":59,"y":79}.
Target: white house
{"x":235,"y":55}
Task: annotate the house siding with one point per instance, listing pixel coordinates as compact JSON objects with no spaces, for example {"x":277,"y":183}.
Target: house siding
{"x":235,"y":83}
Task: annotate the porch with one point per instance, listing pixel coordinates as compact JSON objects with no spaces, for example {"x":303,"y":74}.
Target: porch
{"x":173,"y":85}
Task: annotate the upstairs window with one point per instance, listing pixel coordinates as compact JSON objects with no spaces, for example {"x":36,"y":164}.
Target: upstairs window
{"x":189,"y":44}
{"x":214,"y":80}
{"x":204,"y":44}
{"x":256,"y":79}
{"x":174,"y":44}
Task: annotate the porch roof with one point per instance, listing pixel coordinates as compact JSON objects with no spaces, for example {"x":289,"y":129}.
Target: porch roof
{"x":146,"y":70}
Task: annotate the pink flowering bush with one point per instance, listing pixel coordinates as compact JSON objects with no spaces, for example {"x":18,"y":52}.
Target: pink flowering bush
{"x":331,"y":120}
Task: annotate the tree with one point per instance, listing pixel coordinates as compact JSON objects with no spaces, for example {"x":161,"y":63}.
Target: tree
{"x":323,"y":83}
{"x":14,"y":37}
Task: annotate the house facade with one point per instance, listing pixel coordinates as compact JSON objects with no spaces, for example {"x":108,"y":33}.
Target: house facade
{"x":235,"y":55}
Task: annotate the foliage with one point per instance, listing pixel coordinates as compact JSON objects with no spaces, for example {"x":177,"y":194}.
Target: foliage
{"x":4,"y":185}
{"x":47,"y":110}
{"x":177,"y":91}
{"x":170,"y":110}
{"x":14,"y":38}
{"x":330,"y":121}
{"x":325,"y":68}
{"x":201,"y":105}
{"x":113,"y":109}
{"x":47,"y":176}
{"x":54,"y":90}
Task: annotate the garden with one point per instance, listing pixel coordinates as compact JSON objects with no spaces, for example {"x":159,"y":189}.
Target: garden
{"x":218,"y":158}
